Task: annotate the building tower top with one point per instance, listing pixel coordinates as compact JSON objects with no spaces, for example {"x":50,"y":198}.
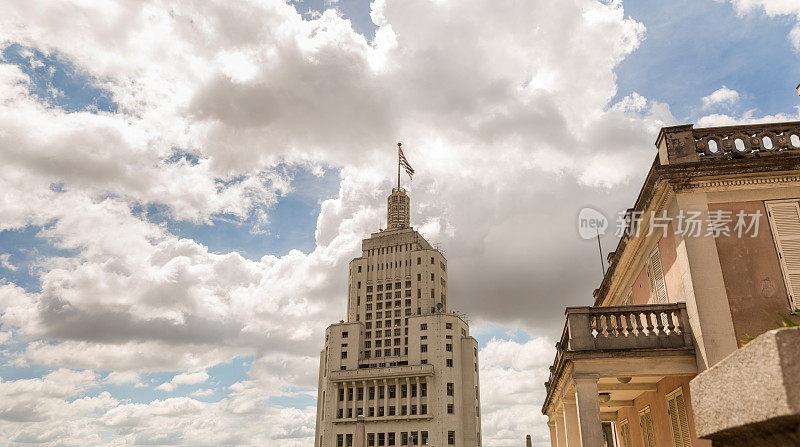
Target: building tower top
{"x":397,"y":210}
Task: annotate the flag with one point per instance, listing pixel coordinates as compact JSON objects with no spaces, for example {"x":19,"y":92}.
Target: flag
{"x":404,"y":163}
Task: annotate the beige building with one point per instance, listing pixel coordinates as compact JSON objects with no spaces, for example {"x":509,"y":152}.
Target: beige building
{"x":677,"y":300}
{"x":400,"y":359}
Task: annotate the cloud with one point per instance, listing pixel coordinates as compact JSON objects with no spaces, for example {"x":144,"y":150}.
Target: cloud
{"x":774,"y":8}
{"x":723,"y":95}
{"x":183,"y":379}
{"x":512,"y":375}
{"x":213,"y":99}
{"x":5,"y":262}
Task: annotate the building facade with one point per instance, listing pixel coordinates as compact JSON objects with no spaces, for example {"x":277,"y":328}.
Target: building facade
{"x":400,"y":360}
{"x":710,"y":257}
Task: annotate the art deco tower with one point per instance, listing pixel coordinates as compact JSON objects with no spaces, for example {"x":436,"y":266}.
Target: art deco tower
{"x":400,"y":360}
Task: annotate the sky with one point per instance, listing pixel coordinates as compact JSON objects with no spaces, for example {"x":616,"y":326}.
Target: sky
{"x":182,"y":185}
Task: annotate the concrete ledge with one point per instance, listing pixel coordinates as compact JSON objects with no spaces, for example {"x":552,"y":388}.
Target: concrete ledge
{"x":753,"y":395}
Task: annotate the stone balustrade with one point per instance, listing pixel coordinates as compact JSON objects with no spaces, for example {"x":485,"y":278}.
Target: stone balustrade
{"x":605,"y":330}
{"x":684,"y":144}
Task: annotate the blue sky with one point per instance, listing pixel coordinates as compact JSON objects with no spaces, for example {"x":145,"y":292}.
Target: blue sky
{"x":691,"y":49}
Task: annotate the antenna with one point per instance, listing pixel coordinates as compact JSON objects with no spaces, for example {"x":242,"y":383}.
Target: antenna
{"x":600,"y":247}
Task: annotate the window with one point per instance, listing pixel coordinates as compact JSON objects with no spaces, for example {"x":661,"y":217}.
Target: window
{"x":432,"y":260}
{"x":344,"y":355}
{"x":419,"y":261}
{"x":359,"y":269}
{"x":450,"y":409}
{"x":451,"y":438}
{"x":448,"y":347}
{"x":359,"y":285}
{"x":423,"y":327}
{"x":369,"y":289}
{"x":449,"y":363}
{"x":340,"y":440}
{"x":450,"y":388}
{"x":423,"y":389}
{"x":419,"y":277}
{"x":432,"y":277}
{"x":408,"y":284}
{"x":655,"y":273}
{"x":625,"y":434}
{"x":646,"y":424}
{"x":344,"y":334}
{"x":423,"y":348}
{"x":679,"y":421}
{"x":448,"y":325}
{"x":784,"y":220}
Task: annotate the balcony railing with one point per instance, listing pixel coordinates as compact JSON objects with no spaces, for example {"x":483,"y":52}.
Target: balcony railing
{"x":687,"y":144}
{"x":605,"y":330}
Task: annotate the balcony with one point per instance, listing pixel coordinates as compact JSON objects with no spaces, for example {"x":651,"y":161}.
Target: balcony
{"x":647,"y":330}
{"x":616,"y":353}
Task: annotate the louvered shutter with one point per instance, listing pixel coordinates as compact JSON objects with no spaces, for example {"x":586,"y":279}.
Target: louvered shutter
{"x":658,"y":287}
{"x":784,"y":219}
{"x":651,"y":437}
{"x":646,"y":423}
{"x":679,"y":419}
{"x":673,"y":421}
{"x":683,"y":418}
{"x":625,"y":433}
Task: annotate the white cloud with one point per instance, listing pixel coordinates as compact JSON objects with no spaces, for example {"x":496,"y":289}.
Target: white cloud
{"x":5,"y":262}
{"x":723,"y":95}
{"x":774,"y":8}
{"x":490,"y":98}
{"x":183,"y":379}
{"x":512,"y":375}
{"x":124,"y":378}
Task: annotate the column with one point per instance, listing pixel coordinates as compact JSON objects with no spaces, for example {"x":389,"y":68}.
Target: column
{"x":397,"y":395}
{"x":561,"y":429}
{"x":385,"y":397}
{"x":704,"y":287}
{"x":416,"y":384}
{"x":588,"y":409}
{"x":375,"y":404}
{"x":408,"y":395}
{"x":344,"y":404}
{"x":355,"y":399}
{"x":551,"y":424}
{"x":571,"y":424}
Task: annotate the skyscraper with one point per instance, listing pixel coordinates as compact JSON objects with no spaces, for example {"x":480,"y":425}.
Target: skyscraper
{"x":400,"y":359}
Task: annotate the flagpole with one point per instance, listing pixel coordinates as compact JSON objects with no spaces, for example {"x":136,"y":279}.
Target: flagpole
{"x":398,"y":165}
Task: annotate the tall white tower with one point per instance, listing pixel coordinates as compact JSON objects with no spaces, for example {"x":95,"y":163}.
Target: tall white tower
{"x":400,"y":360}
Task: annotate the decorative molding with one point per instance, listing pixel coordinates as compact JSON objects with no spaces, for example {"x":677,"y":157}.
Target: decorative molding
{"x":745,"y":181}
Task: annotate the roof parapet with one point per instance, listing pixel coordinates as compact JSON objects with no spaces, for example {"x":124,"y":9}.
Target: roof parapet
{"x":685,"y":144}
